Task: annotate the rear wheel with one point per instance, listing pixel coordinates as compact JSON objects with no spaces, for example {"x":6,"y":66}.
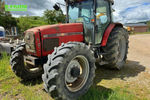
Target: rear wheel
{"x":117,"y":48}
{"x":69,"y":71}
{"x":20,"y":68}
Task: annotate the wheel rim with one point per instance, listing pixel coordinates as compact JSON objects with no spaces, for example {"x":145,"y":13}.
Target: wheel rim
{"x":122,"y":49}
{"x":80,"y":63}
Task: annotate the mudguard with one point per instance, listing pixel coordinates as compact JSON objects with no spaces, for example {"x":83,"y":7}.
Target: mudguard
{"x":108,"y":31}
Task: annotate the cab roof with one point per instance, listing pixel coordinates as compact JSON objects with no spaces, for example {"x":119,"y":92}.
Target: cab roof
{"x":112,"y":1}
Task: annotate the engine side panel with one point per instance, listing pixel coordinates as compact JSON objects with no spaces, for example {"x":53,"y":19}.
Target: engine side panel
{"x":61,"y":33}
{"x":60,"y":39}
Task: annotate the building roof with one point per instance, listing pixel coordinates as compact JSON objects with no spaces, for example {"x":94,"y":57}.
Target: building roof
{"x":135,"y":24}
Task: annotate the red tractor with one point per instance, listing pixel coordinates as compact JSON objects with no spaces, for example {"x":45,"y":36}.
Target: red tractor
{"x":67,"y":53}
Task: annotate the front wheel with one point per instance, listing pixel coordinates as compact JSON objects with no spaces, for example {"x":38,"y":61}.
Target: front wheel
{"x":69,"y":71}
{"x":20,"y":68}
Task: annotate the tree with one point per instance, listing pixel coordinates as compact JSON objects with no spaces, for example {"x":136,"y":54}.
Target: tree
{"x":37,"y":21}
{"x":23,"y":24}
{"x":2,"y":9}
{"x":2,"y":6}
{"x":26,"y":22}
{"x":53,"y":16}
{"x":148,"y":24}
{"x":6,"y":19}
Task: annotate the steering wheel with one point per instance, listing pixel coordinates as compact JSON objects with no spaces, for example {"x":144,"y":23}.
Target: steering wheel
{"x":86,"y":19}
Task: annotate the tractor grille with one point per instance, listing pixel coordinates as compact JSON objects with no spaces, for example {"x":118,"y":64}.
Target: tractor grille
{"x":50,"y":44}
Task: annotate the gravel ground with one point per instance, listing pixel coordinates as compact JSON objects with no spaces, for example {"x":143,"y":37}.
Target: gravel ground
{"x":135,"y":75}
{"x":140,"y":49}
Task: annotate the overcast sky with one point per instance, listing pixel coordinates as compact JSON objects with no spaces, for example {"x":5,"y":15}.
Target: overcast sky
{"x":126,"y":11}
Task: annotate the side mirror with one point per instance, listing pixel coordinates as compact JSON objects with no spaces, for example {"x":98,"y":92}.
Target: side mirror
{"x":56,"y":7}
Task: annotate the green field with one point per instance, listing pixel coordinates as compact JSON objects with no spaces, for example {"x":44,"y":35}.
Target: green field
{"x":104,"y":88}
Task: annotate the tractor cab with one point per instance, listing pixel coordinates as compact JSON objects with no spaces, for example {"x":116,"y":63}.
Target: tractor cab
{"x":94,"y":14}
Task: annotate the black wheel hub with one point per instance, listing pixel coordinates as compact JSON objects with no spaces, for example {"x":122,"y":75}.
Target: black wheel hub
{"x":75,"y":72}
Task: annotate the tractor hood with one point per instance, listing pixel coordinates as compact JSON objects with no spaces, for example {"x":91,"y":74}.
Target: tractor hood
{"x":58,"y":29}
{"x":45,"y":38}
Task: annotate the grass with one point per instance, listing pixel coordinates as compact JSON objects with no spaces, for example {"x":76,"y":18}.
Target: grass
{"x":107,"y":94}
{"x":3,"y":67}
{"x":12,"y":88}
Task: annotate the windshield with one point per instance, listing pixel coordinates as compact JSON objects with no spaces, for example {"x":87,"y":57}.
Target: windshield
{"x":81,"y":12}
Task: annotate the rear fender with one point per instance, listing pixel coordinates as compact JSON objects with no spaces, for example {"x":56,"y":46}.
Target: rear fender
{"x":108,"y":31}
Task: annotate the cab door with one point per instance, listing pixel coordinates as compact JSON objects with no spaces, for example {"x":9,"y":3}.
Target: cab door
{"x":103,"y":19}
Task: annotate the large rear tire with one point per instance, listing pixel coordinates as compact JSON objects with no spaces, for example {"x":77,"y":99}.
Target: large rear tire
{"x":117,"y":48}
{"x":69,"y":71}
{"x":22,"y":70}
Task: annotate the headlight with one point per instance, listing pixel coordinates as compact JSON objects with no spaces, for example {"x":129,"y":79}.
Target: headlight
{"x":30,"y":42}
